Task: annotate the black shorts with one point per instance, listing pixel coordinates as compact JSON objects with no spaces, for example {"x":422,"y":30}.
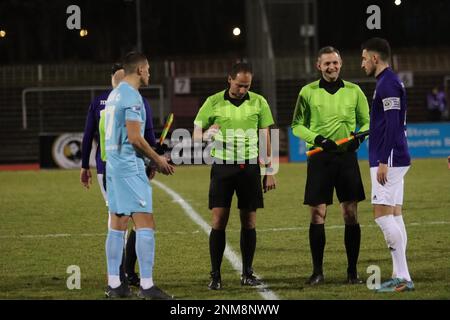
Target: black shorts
{"x":245,"y":179}
{"x":327,"y":171}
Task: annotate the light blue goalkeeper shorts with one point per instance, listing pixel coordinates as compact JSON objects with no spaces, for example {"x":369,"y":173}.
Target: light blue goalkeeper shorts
{"x":128,"y":195}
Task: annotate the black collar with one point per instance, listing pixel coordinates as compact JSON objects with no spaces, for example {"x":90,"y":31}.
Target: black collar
{"x":331,"y":87}
{"x":234,"y":101}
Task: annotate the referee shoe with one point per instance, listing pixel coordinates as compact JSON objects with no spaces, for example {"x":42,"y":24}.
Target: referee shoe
{"x":216,"y":281}
{"x":250,"y":280}
{"x":315,"y":279}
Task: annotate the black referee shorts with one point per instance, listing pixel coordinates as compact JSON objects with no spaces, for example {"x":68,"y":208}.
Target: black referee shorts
{"x":326,"y":171}
{"x":245,"y":179}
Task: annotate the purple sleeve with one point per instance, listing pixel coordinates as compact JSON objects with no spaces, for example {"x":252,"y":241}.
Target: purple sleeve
{"x":392,"y":127}
{"x":88,"y":137}
{"x":391,"y":99}
{"x":149,"y":134}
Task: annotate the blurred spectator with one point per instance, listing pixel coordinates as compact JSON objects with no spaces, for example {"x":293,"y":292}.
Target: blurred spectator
{"x":436,"y":104}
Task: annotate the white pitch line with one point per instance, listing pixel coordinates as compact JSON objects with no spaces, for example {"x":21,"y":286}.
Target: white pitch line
{"x":328,"y":227}
{"x":232,"y":257}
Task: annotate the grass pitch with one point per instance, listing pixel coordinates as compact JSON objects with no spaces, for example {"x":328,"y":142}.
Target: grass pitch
{"x":50,"y":222}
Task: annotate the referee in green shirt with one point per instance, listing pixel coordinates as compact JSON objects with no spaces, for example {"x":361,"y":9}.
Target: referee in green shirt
{"x":233,"y":117}
{"x":327,"y":110}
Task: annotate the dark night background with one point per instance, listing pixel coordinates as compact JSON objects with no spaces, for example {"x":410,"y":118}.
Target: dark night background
{"x":36,"y":30}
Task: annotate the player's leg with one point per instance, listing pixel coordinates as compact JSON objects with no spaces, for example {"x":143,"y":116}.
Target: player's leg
{"x":384,"y":202}
{"x":221,"y":191}
{"x":145,"y":247}
{"x":250,"y":198}
{"x":350,"y":190}
{"x":145,"y":250}
{"x":398,"y":215}
{"x":398,"y":197}
{"x":101,"y":178}
{"x":117,"y":225}
{"x":114,"y":251}
{"x":320,"y":181}
{"x":131,"y":259}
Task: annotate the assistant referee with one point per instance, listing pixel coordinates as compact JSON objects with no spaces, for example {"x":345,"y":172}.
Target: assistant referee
{"x":327,"y":110}
{"x":234,"y":117}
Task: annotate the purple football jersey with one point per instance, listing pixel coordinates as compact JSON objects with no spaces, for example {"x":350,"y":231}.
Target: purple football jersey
{"x":387,"y":142}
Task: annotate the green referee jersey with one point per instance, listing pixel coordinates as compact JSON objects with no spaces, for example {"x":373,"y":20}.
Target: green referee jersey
{"x":237,"y":138}
{"x":333,"y":116}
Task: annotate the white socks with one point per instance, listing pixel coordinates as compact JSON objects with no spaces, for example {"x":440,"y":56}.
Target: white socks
{"x":113,"y":281}
{"x":401,"y":225}
{"x":146,"y":283}
{"x":396,"y":243}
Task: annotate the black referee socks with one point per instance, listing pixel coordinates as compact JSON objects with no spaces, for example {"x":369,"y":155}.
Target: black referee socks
{"x":216,"y":248}
{"x":248,"y":247}
{"x":352,"y":241}
{"x":317,"y":243}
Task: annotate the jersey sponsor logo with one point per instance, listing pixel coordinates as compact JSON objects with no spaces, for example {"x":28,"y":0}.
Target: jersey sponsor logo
{"x":391,"y":103}
{"x":136,"y":108}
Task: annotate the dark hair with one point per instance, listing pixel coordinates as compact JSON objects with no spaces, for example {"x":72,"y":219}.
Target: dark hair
{"x":240,"y":67}
{"x":327,"y":49}
{"x":116,"y":67}
{"x":131,"y":61}
{"x":380,"y":46}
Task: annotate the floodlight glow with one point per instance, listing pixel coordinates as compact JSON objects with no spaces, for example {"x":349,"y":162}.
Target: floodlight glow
{"x":236,"y":31}
{"x":398,"y":2}
{"x":2,"y":33}
{"x":83,"y":33}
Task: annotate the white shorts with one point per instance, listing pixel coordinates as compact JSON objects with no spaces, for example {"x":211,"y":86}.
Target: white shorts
{"x":102,"y":187}
{"x":391,"y":194}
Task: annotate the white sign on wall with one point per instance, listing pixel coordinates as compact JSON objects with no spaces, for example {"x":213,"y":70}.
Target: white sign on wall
{"x":182,"y":86}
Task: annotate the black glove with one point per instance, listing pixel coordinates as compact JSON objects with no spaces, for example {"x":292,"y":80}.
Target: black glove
{"x":161,"y":148}
{"x":354,"y":144}
{"x":325,"y":143}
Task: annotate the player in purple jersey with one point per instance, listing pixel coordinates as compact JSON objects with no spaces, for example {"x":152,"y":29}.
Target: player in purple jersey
{"x":389,"y":158}
{"x":91,"y":133}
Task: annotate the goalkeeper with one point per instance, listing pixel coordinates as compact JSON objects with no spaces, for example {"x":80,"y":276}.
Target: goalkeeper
{"x":329,"y":109}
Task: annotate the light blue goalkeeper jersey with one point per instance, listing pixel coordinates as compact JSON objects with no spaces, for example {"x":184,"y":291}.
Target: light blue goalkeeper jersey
{"x":124,"y":104}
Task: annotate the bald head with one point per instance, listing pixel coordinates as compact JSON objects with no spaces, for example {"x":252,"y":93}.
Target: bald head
{"x":117,"y":77}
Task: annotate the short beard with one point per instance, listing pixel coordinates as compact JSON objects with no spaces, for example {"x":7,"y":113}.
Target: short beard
{"x":371,"y":73}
